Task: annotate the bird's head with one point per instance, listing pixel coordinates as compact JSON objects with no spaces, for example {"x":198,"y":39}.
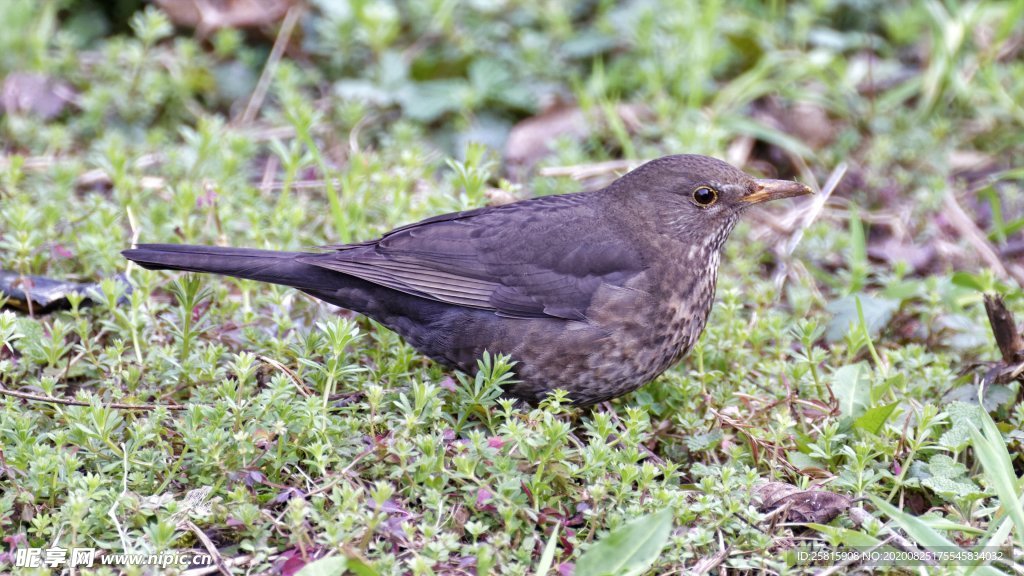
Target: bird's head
{"x":697,"y":199}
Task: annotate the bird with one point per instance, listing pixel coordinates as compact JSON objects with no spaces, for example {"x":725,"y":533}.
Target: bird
{"x":595,"y":293}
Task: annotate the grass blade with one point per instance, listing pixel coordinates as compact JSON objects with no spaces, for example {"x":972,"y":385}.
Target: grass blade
{"x":995,"y":461}
{"x":548,"y":557}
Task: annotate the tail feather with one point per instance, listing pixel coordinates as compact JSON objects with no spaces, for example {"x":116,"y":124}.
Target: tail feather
{"x":252,"y":264}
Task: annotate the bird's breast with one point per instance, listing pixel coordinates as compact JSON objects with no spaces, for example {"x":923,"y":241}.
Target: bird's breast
{"x":684,"y":306}
{"x":653,"y":322}
{"x":629,"y":336}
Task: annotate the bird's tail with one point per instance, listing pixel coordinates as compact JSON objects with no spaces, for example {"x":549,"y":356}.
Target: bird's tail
{"x":262,"y":265}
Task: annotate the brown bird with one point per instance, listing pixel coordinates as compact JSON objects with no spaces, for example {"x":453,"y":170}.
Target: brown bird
{"x":596,"y":293}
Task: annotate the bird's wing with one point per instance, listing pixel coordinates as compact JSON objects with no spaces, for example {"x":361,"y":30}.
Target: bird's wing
{"x":540,"y":258}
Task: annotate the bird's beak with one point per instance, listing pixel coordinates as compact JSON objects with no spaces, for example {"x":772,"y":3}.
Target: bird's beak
{"x":766,"y":190}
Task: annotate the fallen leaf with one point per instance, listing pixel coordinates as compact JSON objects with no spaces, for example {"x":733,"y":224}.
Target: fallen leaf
{"x":1004,"y":328}
{"x":531,"y":139}
{"x":209,"y":15}
{"x":292,"y":564}
{"x":802,"y":506}
{"x":45,"y":294}
{"x":806,"y":120}
{"x":483,"y":495}
{"x":35,"y":94}
{"x":960,"y":161}
{"x":918,"y":256}
{"x":499,"y":197}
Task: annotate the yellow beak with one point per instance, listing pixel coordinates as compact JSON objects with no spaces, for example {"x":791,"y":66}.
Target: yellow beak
{"x":775,"y":190}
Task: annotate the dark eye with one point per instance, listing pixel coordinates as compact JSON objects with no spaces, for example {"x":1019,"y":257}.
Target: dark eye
{"x":704,"y":196}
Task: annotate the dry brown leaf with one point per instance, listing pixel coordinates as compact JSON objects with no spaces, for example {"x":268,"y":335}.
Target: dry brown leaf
{"x":498,"y":197}
{"x":530,"y":140}
{"x":35,"y":94}
{"x":810,"y":124}
{"x":801,"y":506}
{"x":41,"y":295}
{"x":920,"y":257}
{"x":806,"y":121}
{"x":970,"y":160}
{"x":210,"y":15}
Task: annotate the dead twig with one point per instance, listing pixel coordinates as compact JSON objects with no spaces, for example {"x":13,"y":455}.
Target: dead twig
{"x":67,"y":402}
{"x":269,"y":170}
{"x":810,"y":214}
{"x":317,"y":184}
{"x":586,"y":171}
{"x":229,"y":563}
{"x":708,"y":563}
{"x":266,"y":77}
{"x":975,"y":237}
{"x":1011,"y":345}
{"x":1008,"y":339}
{"x":210,"y":548}
{"x":291,"y":375}
{"x":812,"y":211}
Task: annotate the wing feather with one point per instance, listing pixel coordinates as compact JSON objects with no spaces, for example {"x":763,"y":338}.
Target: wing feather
{"x":507,"y":259}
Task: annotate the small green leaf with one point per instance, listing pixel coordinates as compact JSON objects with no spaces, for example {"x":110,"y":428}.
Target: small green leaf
{"x":897,"y":381}
{"x":978,"y":282}
{"x":360,"y":568}
{"x":956,"y":438}
{"x":629,"y":550}
{"x":964,"y":417}
{"x":589,"y":43}
{"x":428,"y":101}
{"x":874,"y":418}
{"x":704,"y":441}
{"x":852,"y":387}
{"x":943,"y":466}
{"x":801,"y":460}
{"x":996,"y":396}
{"x":877,"y":313}
{"x":486,"y":75}
{"x":953,"y":489}
{"x":330,"y":566}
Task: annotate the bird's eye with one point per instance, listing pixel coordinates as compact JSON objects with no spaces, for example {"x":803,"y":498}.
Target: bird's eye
{"x":704,"y":196}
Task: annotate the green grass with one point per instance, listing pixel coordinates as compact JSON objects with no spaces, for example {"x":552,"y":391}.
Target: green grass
{"x":317,"y":432}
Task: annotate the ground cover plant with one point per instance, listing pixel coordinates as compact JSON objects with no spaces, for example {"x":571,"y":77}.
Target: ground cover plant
{"x":849,"y":351}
